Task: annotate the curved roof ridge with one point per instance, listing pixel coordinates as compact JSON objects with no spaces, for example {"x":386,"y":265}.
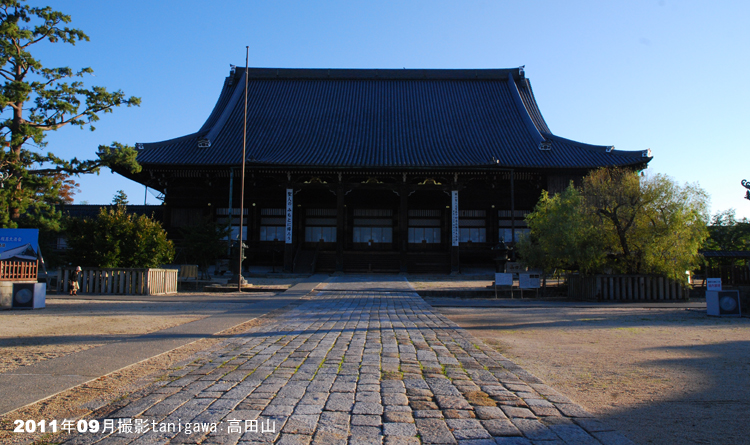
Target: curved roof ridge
{"x":524,"y":112}
{"x":147,"y":145}
{"x":227,"y":90}
{"x":598,"y":148}
{"x":228,"y":109}
{"x":532,"y":106}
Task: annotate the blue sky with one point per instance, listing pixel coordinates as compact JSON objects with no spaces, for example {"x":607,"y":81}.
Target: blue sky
{"x":667,"y":75}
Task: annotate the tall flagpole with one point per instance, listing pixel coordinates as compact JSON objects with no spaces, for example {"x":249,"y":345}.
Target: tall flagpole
{"x":242,"y":190}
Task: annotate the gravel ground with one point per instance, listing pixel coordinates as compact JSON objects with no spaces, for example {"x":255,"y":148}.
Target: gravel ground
{"x":658,"y":375}
{"x":427,"y":282}
{"x":68,"y":326}
{"x":81,"y":400}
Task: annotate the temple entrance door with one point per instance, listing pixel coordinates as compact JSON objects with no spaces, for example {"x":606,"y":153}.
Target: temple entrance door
{"x":428,"y":232}
{"x":374,"y":221}
{"x":371,"y":241}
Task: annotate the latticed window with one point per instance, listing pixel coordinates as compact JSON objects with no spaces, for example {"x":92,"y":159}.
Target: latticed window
{"x":424,"y":226}
{"x":472,"y":226}
{"x":320,"y":225}
{"x":373,"y":234}
{"x":507,"y":220}
{"x":373,"y":226}
{"x":272,"y":225}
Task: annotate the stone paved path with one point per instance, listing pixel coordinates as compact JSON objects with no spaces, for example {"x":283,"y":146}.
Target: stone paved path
{"x":362,"y":362}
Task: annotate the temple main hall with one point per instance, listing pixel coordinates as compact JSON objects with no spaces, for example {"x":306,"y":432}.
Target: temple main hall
{"x":370,"y":170}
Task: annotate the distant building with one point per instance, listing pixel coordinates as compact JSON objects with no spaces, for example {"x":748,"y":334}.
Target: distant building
{"x":371,"y":169}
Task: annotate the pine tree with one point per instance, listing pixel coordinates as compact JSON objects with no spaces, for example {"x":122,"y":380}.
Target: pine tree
{"x":34,"y":100}
{"x":120,"y":198}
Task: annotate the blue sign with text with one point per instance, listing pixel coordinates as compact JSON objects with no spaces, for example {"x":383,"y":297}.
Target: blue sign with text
{"x":19,"y":244}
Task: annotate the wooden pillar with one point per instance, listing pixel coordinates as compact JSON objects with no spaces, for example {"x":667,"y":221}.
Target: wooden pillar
{"x":289,"y":232}
{"x":340,"y":236}
{"x":513,"y":213}
{"x":403,"y":227}
{"x":231,"y":212}
{"x":493,"y":230}
{"x":455,"y":267}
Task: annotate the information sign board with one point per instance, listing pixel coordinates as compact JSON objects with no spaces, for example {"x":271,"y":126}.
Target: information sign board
{"x":19,"y":244}
{"x":713,"y":284}
{"x":503,"y":279}
{"x":529,"y":281}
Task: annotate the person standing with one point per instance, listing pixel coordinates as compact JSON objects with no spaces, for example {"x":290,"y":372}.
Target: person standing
{"x":74,"y":281}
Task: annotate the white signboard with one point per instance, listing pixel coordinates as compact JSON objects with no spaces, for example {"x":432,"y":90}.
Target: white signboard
{"x":503,"y":279}
{"x":713,"y":284}
{"x":529,"y":281}
{"x":454,"y":217}
{"x":289,"y":213}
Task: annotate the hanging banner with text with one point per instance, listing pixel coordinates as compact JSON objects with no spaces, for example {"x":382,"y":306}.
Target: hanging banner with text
{"x":289,"y":213}
{"x":454,"y":218}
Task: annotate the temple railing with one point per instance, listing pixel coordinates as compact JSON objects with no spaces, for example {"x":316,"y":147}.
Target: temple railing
{"x":18,"y":270}
{"x":121,"y":281}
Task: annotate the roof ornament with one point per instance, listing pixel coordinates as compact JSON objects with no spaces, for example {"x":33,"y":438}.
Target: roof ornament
{"x":610,"y":148}
{"x":139,"y":146}
{"x":545,"y":145}
{"x":204,"y":143}
{"x":520,"y":70}
{"x":646,"y":153}
{"x":745,"y":183}
{"x":430,"y":181}
{"x":315,"y":180}
{"x":231,"y":69}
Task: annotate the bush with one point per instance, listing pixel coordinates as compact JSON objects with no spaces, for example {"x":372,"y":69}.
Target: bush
{"x":118,"y":239}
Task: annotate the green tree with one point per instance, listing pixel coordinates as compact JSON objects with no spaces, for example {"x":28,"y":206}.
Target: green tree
{"x":120,"y":198}
{"x":204,"y":243}
{"x":118,"y":239}
{"x":726,"y":232}
{"x":562,"y":235}
{"x":623,"y":223}
{"x":34,"y":100}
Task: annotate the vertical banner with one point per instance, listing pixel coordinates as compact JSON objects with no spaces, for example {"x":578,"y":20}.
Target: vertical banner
{"x":454,"y":218}
{"x":289,"y":213}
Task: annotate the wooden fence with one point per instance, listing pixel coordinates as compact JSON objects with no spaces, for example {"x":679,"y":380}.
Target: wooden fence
{"x":730,"y":275}
{"x":18,"y":270}
{"x":121,"y":281}
{"x":625,"y":288}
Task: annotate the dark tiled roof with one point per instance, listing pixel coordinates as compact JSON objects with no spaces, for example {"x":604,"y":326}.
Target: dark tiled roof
{"x":381,"y":118}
